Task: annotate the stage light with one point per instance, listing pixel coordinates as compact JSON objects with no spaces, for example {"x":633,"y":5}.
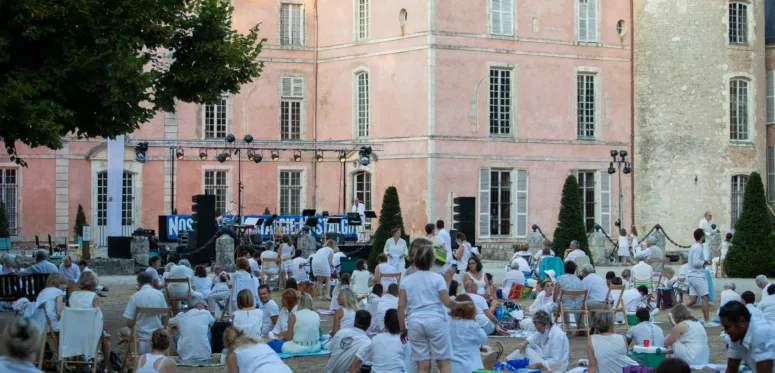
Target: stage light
{"x":365,"y":154}
{"x":614,"y":153}
{"x":179,"y":154}
{"x":228,"y":155}
{"x":611,"y":169}
{"x":319,"y":157}
{"x":248,"y":139}
{"x":203,"y":155}
{"x":297,"y":157}
{"x":623,"y":153}
{"x":342,"y":157}
{"x":257,"y":158}
{"x":140,"y":152}
{"x":230,"y":138}
{"x":250,"y":155}
{"x":275,"y":157}
{"x":221,"y":157}
{"x":627,"y":168}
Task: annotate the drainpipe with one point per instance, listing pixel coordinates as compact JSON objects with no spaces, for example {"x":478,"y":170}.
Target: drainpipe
{"x":632,"y":109}
{"x":315,"y":112}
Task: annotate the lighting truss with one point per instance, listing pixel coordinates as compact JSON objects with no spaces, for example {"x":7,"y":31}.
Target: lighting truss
{"x":256,"y":145}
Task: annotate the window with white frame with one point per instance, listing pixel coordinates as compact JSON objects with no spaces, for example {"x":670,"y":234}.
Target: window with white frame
{"x":503,"y":201}
{"x":502,"y":17}
{"x":738,"y":110}
{"x":127,"y":198}
{"x":585,"y":106}
{"x":586,"y":20}
{"x":217,"y":184}
{"x":363,"y":19}
{"x":500,"y":202}
{"x":587,"y":193}
{"x":216,"y":119}
{"x":292,"y":24}
{"x":738,"y":193}
{"x":290,"y":107}
{"x":500,"y":102}
{"x":9,"y":192}
{"x":290,"y":192}
{"x":771,"y":173}
{"x":362,"y":188}
{"x":362,"y":104}
{"x":738,"y":23}
{"x":770,"y":96}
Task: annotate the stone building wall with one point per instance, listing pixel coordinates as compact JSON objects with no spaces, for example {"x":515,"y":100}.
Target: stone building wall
{"x":684,"y":159}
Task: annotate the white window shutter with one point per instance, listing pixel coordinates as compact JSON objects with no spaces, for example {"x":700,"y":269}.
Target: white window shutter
{"x":592,"y":20}
{"x":605,"y":201}
{"x":581,"y":18}
{"x":771,"y":173}
{"x":287,"y":86}
{"x":484,"y":202}
{"x":298,"y":86}
{"x":495,"y":17}
{"x":771,"y":96}
{"x":522,"y":208}
{"x":507,"y":17}
{"x":296,"y":25}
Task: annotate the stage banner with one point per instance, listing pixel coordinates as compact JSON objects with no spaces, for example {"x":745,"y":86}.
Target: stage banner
{"x":115,"y":184}
{"x":287,"y":223}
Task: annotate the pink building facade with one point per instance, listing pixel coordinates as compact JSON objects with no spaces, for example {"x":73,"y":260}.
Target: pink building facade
{"x":495,"y":99}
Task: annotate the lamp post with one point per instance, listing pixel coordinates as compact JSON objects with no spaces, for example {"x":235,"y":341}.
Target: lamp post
{"x":620,"y":159}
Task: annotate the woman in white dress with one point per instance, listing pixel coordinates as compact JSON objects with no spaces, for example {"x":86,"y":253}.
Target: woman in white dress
{"x":466,"y":336}
{"x":344,"y":317}
{"x":396,"y":250}
{"x":607,"y":351}
{"x":624,"y":246}
{"x":202,"y":283}
{"x":322,"y":262}
{"x":86,"y":297}
{"x":474,"y":273}
{"x":360,"y":278}
{"x":286,"y":252}
{"x":289,"y":301}
{"x":52,"y":300}
{"x":248,"y":355}
{"x":241,"y":280}
{"x":20,"y":342}
{"x":383,"y":268}
{"x":156,"y":361}
{"x":688,"y":339}
{"x":303,"y":334}
{"x":247,"y":317}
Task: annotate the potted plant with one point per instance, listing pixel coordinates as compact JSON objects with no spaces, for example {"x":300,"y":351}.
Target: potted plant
{"x":80,"y":221}
{"x":5,"y":229}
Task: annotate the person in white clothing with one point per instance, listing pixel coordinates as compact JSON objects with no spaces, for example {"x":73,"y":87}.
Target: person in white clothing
{"x":698,"y":284}
{"x":42,"y":265}
{"x":573,"y":251}
{"x":216,"y":300}
{"x":463,"y":252}
{"x":386,"y":352}
{"x":183,"y":271}
{"x":86,"y":297}
{"x":269,"y":306}
{"x":466,"y":336}
{"x":548,"y":348}
{"x":359,"y":208}
{"x":642,"y":274}
{"x":154,"y":263}
{"x":396,"y":250}
{"x":52,"y":300}
{"x":645,"y":330}
{"x":443,"y":234}
{"x":520,"y":256}
{"x":383,"y":268}
{"x":249,"y":319}
{"x":286,"y":251}
{"x":728,"y":294}
{"x":514,"y":276}
{"x":20,"y":341}
{"x":388,"y":301}
{"x":767,"y":305}
{"x":202,"y":283}
{"x":750,"y":339}
{"x":719,"y":260}
{"x":632,"y":299}
{"x":242,"y":279}
{"x":192,"y":328}
{"x":607,"y":351}
{"x":749,"y":298}
{"x":688,"y":339}
{"x":155,"y":361}
{"x":344,"y":316}
{"x":623,"y":251}
{"x":360,"y":278}
{"x":303,"y":334}
{"x":597,"y":290}
{"x":708,"y":232}
{"x":147,"y":297}
{"x":763,"y":283}
{"x":299,"y":268}
{"x":253,"y":259}
{"x":289,"y":302}
{"x":371,"y":303}
{"x":249,"y":355}
{"x":68,"y":270}
{"x":322,"y":262}
{"x":347,"y":344}
{"x":269,"y":268}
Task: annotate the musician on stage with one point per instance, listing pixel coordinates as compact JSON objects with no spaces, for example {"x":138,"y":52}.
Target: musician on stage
{"x":360,"y":209}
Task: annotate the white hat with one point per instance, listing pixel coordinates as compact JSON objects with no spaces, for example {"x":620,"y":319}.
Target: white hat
{"x":550,"y":273}
{"x":515,"y":264}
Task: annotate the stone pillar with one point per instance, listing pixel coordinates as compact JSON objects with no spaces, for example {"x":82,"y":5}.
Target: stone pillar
{"x":536,"y":242}
{"x":224,"y":252}
{"x":140,"y":249}
{"x":599,"y":248}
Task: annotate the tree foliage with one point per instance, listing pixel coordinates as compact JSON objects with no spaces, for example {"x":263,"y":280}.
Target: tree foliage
{"x":570,"y":225}
{"x":80,"y":221}
{"x":5,"y":228}
{"x":753,"y":246}
{"x":95,"y":68}
{"x":389,"y":218}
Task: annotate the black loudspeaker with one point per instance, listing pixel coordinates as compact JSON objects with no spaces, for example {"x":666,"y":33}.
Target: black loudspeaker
{"x":465,"y":217}
{"x":203,"y":225}
{"x":120,"y":247}
{"x":337,"y":237}
{"x":163,"y":229}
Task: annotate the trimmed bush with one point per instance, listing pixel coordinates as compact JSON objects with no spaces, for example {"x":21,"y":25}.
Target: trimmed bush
{"x":753,"y":245}
{"x":80,"y":221}
{"x":570,"y":225}
{"x":389,"y":218}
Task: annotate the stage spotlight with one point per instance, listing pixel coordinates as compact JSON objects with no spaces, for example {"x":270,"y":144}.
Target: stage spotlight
{"x":319,"y":157}
{"x":221,"y":157}
{"x":257,"y":158}
{"x":230,"y":138}
{"x":179,"y":154}
{"x":228,"y":155}
{"x":203,"y":155}
{"x":250,"y":155}
{"x":275,"y":157}
{"x":342,"y":157}
{"x":611,"y":169}
{"x":365,"y":154}
{"x":297,"y":157}
{"x":248,"y":139}
{"x":140,"y":152}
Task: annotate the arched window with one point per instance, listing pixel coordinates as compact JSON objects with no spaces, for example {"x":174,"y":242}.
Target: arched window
{"x":738,"y":192}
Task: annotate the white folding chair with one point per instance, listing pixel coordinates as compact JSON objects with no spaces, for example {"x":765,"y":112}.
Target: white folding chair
{"x":80,"y":334}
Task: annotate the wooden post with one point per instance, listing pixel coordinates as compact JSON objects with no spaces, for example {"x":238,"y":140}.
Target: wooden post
{"x":86,"y":243}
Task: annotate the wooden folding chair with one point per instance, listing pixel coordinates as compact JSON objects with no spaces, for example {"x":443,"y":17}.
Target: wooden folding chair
{"x":618,"y":305}
{"x":173,"y":301}
{"x":396,"y":276}
{"x":582,"y":314}
{"x":51,"y":338}
{"x":266,"y":278}
{"x":134,"y":342}
{"x":63,"y":360}
{"x":225,"y":309}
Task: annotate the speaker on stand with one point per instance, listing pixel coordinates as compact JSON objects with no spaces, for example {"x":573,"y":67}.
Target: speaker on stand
{"x":203,"y":228}
{"x":465,"y":218}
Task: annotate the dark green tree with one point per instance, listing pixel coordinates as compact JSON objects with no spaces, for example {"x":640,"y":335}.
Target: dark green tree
{"x":94,"y":68}
{"x":753,"y":246}
{"x":570,"y":225}
{"x":389,"y":218}
{"x":80,"y":221}
{"x":5,"y":228}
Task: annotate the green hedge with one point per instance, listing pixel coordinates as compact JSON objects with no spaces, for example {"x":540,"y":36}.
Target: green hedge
{"x":753,"y":246}
{"x":571,"y":219}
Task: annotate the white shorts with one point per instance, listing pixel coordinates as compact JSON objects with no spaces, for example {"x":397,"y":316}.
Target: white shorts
{"x":698,"y":286}
{"x":429,"y":338}
{"x":287,"y":266}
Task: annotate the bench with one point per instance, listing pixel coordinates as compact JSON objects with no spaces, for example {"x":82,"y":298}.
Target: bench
{"x":14,"y":287}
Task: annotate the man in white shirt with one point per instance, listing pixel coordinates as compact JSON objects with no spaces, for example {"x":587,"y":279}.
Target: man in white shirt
{"x":642,"y":273}
{"x":698,"y":284}
{"x":388,"y":301}
{"x":182,"y":271}
{"x":750,"y":337}
{"x":154,"y":263}
{"x":645,"y":330}
{"x":270,"y":309}
{"x":299,"y":268}
{"x":443,"y":234}
{"x":514,"y":276}
{"x":193,"y":331}
{"x":68,"y":270}
{"x":217,"y":270}
{"x":632,"y":299}
{"x":549,"y":349}
{"x":42,"y":265}
{"x":547,"y":245}
{"x":347,"y":343}
{"x":255,"y":269}
{"x":729,"y":294}
{"x":748,"y":298}
{"x":767,"y":305}
{"x":763,"y":283}
{"x":596,"y":287}
{"x":463,"y":252}
{"x":146,"y":297}
{"x":652,"y":251}
{"x":707,"y":229}
{"x":360,"y":208}
{"x":573,"y":251}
